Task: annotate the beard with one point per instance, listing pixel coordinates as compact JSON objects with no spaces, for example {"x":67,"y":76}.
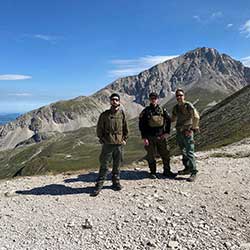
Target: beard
{"x":115,"y":105}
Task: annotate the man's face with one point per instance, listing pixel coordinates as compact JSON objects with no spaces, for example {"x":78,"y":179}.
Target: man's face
{"x":180,"y":97}
{"x":115,"y":102}
{"x":153,"y":100}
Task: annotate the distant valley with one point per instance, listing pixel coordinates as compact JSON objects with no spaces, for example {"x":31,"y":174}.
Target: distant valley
{"x":8,"y":117}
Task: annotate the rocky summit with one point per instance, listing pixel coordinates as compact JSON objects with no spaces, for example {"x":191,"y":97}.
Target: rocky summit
{"x":204,"y":73}
{"x":202,"y":68}
{"x":56,"y":212}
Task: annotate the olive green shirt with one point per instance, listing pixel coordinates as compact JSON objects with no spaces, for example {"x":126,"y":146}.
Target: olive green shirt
{"x":186,"y":116}
{"x":112,"y":127}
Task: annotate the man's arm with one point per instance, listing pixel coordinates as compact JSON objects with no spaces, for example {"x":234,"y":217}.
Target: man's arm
{"x":100,"y":127}
{"x":125,"y":128}
{"x":142,"y":124}
{"x":174,"y":115}
{"x":167,"y":125}
{"x":196,"y":119}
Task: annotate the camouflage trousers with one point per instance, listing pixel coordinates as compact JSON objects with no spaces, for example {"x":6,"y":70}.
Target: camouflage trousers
{"x":109,"y":153}
{"x":157,"y":147}
{"x":186,"y":144}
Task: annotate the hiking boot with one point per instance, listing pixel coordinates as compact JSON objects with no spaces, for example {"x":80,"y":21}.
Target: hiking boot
{"x":169,"y":174}
{"x":117,"y":186}
{"x":192,"y":177}
{"x":152,"y":176}
{"x":97,"y":190}
{"x":185,"y":171}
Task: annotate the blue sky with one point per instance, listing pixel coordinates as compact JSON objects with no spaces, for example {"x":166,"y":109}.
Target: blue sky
{"x":60,"y":49}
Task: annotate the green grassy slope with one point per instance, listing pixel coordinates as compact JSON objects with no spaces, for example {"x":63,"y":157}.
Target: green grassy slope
{"x":225,"y":123}
{"x":64,"y":152}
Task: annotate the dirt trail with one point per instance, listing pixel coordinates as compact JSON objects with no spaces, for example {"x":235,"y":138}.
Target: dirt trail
{"x":56,"y":212}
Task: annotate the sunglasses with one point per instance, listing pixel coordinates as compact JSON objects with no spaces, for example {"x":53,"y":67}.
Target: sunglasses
{"x":179,"y":95}
{"x":115,"y":99}
{"x":153,"y":98}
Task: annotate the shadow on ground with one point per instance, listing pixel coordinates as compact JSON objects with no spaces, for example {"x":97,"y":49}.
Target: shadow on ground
{"x":125,"y":175}
{"x":58,"y":189}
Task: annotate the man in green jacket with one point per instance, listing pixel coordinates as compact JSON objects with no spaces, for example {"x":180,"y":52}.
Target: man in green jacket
{"x":112,"y":131}
{"x":187,"y":123}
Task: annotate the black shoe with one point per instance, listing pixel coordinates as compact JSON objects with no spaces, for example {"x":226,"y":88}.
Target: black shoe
{"x":95,"y":192}
{"x":117,"y":187}
{"x":169,"y":174}
{"x":153,"y":176}
{"x":192,"y":177}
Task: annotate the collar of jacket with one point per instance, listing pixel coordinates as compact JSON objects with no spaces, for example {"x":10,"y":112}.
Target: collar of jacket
{"x":154,"y":107}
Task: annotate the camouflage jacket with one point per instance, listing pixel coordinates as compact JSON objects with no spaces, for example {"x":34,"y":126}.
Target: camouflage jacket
{"x":112,"y":127}
{"x":186,"y":116}
{"x":145,"y":121}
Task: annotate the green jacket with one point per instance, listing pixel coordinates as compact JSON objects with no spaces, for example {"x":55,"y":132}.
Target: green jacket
{"x":186,"y":116}
{"x":112,"y":127}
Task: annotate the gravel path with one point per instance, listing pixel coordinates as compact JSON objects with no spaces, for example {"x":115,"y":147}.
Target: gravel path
{"x":56,"y":212}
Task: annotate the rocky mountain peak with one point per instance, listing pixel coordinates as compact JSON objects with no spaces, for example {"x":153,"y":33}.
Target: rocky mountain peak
{"x":209,"y":54}
{"x":203,"y":67}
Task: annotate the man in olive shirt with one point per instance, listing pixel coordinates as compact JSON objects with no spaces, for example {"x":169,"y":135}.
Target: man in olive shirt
{"x":112,"y":131}
{"x":187,"y":123}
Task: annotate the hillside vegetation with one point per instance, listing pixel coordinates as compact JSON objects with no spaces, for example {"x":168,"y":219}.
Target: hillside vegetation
{"x":225,"y":123}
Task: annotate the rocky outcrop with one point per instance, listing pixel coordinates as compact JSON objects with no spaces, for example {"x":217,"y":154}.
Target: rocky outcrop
{"x":203,"y":67}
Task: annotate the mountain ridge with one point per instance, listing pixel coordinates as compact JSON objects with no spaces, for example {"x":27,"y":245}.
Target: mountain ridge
{"x":202,"y":72}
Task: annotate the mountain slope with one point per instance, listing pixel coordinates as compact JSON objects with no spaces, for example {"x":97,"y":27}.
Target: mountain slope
{"x":225,"y":123}
{"x":204,"y":73}
{"x":56,"y":212}
{"x":203,"y":68}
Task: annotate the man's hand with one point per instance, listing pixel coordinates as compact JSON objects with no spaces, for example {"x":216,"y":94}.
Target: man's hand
{"x":101,"y":141}
{"x":163,"y":136}
{"x":145,"y":142}
{"x":124,"y":142}
{"x":188,"y":132}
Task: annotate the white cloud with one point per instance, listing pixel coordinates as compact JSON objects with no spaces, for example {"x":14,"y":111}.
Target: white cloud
{"x":13,"y":77}
{"x":45,"y":37}
{"x":20,"y":94}
{"x":245,"y":28}
{"x":229,"y":25}
{"x":208,"y":18}
{"x":246,"y":61}
{"x":135,"y":66}
{"x":197,"y":18}
{"x":217,"y":14}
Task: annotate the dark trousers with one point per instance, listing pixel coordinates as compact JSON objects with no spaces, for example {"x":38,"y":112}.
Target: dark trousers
{"x":109,"y":153}
{"x":157,"y":146}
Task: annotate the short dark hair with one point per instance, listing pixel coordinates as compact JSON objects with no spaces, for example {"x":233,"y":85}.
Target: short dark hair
{"x":179,"y":90}
{"x":114,"y":95}
{"x":153,"y":94}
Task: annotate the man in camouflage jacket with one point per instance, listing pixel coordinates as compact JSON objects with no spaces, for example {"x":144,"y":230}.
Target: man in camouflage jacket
{"x":154,"y":124}
{"x":112,"y":131}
